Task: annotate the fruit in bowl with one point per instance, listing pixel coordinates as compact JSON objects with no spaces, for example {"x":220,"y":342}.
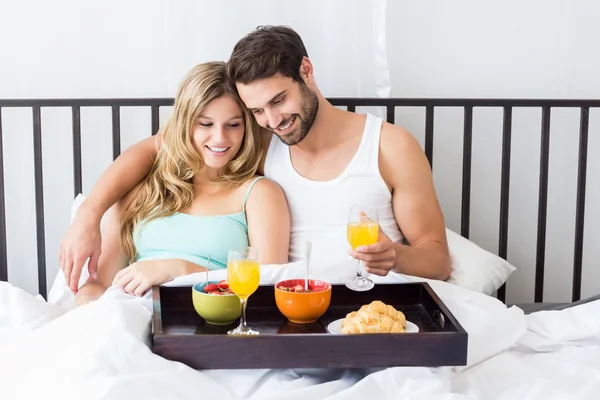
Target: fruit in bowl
{"x":300,"y":306}
{"x":215,"y":303}
{"x":221,"y":288}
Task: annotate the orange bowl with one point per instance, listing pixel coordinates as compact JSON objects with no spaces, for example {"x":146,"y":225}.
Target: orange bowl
{"x":303,"y":308}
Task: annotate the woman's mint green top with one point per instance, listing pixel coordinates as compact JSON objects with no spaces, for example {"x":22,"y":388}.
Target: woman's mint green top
{"x":193,"y":237}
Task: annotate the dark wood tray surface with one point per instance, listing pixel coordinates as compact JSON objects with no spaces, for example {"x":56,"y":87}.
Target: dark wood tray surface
{"x":179,"y":333}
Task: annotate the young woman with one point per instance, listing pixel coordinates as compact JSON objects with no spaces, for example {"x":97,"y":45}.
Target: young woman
{"x":202,"y":196}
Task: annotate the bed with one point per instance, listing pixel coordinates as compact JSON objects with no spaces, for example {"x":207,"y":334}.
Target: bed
{"x":533,"y":356}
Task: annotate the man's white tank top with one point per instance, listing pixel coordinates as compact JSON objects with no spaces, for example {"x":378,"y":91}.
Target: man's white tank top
{"x":319,"y":209}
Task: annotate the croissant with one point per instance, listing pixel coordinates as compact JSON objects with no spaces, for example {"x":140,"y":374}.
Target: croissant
{"x":376,"y":317}
{"x":381,"y":308}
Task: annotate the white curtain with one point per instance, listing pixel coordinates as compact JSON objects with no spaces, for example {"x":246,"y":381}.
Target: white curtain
{"x":142,"y":48}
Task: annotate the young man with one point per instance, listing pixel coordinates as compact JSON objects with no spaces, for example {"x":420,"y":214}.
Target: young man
{"x":325,"y":159}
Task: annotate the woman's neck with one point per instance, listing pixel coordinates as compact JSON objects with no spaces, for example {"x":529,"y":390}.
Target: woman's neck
{"x":206,"y":177}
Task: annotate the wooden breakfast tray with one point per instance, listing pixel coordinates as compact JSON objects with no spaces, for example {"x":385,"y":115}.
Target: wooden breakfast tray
{"x":180,"y":334}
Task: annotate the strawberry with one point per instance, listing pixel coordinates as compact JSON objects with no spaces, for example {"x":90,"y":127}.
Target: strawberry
{"x":298,"y":288}
{"x":223,"y":285}
{"x":217,"y":293}
{"x":211,"y":287}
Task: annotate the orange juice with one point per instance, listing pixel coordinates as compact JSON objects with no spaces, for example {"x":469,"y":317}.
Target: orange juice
{"x":243,"y":277}
{"x":362,"y":233}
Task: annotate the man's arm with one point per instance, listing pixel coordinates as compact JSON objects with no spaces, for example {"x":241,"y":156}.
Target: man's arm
{"x":113,"y":257}
{"x":123,"y":174}
{"x":82,"y":240}
{"x":405,"y":169}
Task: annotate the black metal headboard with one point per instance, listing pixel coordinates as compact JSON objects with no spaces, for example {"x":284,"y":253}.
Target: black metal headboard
{"x":351,"y":103}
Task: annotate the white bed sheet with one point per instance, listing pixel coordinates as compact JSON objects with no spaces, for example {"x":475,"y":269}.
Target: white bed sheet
{"x":99,"y":351}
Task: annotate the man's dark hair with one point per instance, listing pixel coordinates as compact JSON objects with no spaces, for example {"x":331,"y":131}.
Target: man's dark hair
{"x":266,"y":51}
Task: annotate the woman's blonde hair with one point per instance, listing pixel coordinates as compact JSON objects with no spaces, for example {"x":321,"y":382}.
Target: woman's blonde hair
{"x":168,"y":187}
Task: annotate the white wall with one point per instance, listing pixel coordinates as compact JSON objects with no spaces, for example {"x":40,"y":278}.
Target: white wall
{"x":463,"y":48}
{"x":508,"y":49}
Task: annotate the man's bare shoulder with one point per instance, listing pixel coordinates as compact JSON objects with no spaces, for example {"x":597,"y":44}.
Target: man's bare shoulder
{"x":398,"y":136}
{"x":400,"y":154}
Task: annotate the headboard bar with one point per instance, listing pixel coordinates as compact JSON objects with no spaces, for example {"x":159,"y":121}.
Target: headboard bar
{"x":77,"y":181}
{"x":580,"y":202}
{"x":542,"y":206}
{"x":351,"y":103}
{"x":504,"y":189}
{"x":465,"y":212}
{"x":3,"y":255}
{"x":39,"y":198}
{"x":155,"y":116}
{"x":391,"y":114}
{"x":116,"y":131}
{"x":429,"y":120}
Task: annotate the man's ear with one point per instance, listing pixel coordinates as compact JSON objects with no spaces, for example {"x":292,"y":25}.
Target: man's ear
{"x":306,"y":69}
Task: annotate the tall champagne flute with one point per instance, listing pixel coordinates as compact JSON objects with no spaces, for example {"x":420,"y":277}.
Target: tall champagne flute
{"x":243,"y":277}
{"x":363,"y":230}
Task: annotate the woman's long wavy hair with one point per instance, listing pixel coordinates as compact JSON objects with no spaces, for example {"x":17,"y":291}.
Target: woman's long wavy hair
{"x":168,"y":187}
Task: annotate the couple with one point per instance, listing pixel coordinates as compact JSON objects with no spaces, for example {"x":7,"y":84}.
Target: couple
{"x":198,"y":186}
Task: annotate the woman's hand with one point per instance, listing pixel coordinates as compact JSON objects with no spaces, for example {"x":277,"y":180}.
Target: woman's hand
{"x":140,"y":276}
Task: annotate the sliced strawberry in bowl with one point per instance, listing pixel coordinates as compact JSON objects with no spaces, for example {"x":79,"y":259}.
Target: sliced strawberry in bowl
{"x":211,"y":287}
{"x":223,"y":285}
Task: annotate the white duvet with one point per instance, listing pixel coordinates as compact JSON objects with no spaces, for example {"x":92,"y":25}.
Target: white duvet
{"x":100,"y":351}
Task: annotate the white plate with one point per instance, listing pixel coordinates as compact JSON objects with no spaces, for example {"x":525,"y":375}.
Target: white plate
{"x":336,"y":327}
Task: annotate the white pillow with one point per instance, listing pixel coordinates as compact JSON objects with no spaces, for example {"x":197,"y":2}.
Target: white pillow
{"x":475,"y":268}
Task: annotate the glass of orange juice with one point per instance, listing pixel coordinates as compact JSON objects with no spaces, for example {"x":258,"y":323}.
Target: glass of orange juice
{"x":363,"y":230}
{"x":243,"y":277}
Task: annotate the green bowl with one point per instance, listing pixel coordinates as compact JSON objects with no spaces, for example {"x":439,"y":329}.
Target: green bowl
{"x":216,"y":310}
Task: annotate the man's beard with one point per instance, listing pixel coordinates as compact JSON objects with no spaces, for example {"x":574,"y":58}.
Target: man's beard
{"x":309,"y":108}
